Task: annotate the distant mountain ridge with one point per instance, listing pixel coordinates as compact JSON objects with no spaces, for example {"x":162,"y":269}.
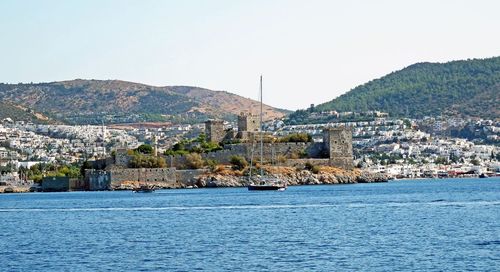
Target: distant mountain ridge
{"x":465,"y":88}
{"x":93,"y":101}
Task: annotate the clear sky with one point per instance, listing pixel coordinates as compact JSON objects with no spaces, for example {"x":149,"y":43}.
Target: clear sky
{"x":308,"y":51}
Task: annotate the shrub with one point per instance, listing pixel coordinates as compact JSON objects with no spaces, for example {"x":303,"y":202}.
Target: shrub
{"x":311,"y":167}
{"x":212,"y":164}
{"x":281,"y":159}
{"x":37,"y":178}
{"x":238,"y":162}
{"x":294,"y":155}
{"x":210,"y":147}
{"x":194,"y":161}
{"x":197,"y":145}
{"x":178,"y":146}
{"x":173,"y":153}
{"x":145,"y":149}
{"x":233,"y":141}
{"x":296,"y":138}
{"x":219,"y":168}
{"x":475,"y":162}
{"x":145,"y":161}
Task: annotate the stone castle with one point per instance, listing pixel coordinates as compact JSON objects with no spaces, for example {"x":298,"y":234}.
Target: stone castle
{"x":335,"y":150}
{"x":336,"y":147}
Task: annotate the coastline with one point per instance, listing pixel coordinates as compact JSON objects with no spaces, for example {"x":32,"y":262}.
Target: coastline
{"x":215,"y":180}
{"x":14,"y":189}
{"x":227,"y":177}
{"x":303,"y":177}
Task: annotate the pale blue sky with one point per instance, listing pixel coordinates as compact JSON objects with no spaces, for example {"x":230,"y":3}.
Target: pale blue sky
{"x":308,"y":51}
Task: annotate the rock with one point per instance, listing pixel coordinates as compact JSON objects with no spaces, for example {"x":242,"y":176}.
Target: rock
{"x":367,"y":177}
{"x":211,"y":184}
{"x":302,"y":177}
{"x":201,"y":182}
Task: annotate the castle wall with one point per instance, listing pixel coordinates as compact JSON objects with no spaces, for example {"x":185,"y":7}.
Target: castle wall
{"x":224,"y":156}
{"x":166,"y":175}
{"x":55,"y":184}
{"x":275,"y":150}
{"x":102,"y":163}
{"x":177,"y":161}
{"x":342,"y":162}
{"x":316,"y":151}
{"x":302,"y":162}
{"x":97,"y":180}
{"x":336,"y":146}
{"x":186,"y":176}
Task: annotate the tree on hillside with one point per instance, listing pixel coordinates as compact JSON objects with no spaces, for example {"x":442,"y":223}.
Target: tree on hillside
{"x":145,"y":149}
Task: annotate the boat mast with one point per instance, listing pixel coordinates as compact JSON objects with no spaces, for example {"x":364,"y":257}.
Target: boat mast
{"x":261,"y":133}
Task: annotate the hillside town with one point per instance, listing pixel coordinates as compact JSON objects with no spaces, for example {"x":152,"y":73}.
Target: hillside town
{"x":409,"y":148}
{"x":399,"y":148}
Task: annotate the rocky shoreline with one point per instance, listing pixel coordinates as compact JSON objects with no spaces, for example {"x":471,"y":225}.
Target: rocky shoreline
{"x":14,"y":189}
{"x":294,"y":178}
{"x":231,"y":178}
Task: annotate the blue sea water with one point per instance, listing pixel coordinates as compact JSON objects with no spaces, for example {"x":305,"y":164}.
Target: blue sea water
{"x":413,"y":225}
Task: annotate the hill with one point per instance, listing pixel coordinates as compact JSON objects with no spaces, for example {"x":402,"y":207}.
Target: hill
{"x":113,"y":101}
{"x":467,"y":88}
{"x":19,"y":113}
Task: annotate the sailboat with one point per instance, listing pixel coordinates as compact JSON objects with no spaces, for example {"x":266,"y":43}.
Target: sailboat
{"x":263,"y":183}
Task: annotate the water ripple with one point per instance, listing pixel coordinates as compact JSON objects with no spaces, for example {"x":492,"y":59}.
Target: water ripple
{"x":245,"y":207}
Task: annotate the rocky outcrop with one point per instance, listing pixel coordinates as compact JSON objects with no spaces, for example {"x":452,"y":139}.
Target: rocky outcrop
{"x":14,"y":189}
{"x":367,"y":177}
{"x":303,"y":177}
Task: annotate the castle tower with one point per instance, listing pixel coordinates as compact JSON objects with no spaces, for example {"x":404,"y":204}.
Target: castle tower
{"x":214,"y":130}
{"x":338,"y":144}
{"x":121,"y":157}
{"x":248,"y":122}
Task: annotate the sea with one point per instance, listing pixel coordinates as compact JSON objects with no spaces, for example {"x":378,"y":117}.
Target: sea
{"x":408,"y":225}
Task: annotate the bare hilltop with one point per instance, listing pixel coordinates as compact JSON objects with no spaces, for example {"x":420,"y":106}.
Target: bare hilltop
{"x":114,"y":101}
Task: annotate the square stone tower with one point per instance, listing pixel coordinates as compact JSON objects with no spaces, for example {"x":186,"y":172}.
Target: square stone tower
{"x":214,"y":130}
{"x":121,"y":157}
{"x":338,"y":144}
{"x":248,"y":122}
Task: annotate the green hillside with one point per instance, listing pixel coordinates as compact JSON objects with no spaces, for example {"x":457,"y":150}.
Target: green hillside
{"x":468,"y":88}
